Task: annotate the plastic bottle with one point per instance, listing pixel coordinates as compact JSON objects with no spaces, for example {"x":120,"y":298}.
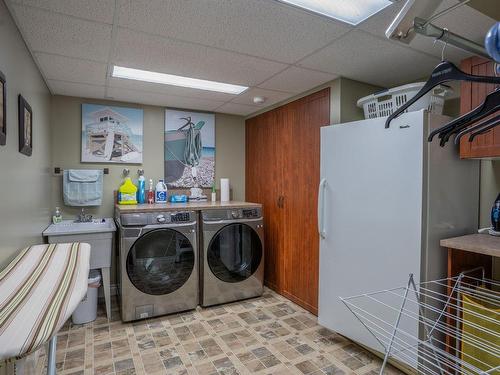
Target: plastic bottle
{"x":127,"y":193}
{"x":214,"y":194}
{"x":161,"y":192}
{"x":141,"y":189}
{"x":57,"y":218}
{"x":495,"y":215}
{"x":151,"y":192}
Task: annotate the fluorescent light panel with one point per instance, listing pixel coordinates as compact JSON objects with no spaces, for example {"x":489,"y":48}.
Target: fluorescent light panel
{"x":170,"y":79}
{"x":349,"y":11}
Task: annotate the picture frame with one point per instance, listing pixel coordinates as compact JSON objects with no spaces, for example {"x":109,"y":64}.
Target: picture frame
{"x":189,"y":164}
{"x":25,"y":126}
{"x":104,"y":126}
{"x":3,"y":110}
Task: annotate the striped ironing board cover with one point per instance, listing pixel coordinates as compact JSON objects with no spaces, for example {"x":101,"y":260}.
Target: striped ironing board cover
{"x":39,"y":290}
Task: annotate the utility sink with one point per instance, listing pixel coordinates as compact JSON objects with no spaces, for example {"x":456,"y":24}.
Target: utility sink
{"x":71,"y":227}
{"x":98,"y":233}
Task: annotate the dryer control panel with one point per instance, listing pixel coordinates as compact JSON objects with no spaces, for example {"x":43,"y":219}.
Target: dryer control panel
{"x":232,"y":214}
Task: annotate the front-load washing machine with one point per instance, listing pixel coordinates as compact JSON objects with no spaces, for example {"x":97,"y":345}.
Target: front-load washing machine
{"x":158,"y":263}
{"x":232,"y":255}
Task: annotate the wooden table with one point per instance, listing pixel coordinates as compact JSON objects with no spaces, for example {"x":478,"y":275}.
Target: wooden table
{"x":471,"y":251}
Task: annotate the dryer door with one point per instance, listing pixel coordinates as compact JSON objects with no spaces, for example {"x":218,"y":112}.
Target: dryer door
{"x":234,"y":253}
{"x":160,"y":261}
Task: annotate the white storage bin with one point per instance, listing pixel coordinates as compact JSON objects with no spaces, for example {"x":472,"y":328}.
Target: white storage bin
{"x":87,"y":308}
{"x":384,"y":103}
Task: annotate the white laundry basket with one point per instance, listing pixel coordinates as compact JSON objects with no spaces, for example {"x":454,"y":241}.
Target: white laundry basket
{"x":385,"y":102}
{"x":87,"y":308}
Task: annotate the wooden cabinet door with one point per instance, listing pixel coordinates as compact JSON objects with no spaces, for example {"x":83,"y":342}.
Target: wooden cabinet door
{"x":282,"y":173}
{"x":472,"y":95}
{"x":301,"y":266}
{"x":264,"y":175}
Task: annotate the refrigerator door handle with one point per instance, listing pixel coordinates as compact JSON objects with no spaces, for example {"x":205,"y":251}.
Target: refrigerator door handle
{"x":321,"y":208}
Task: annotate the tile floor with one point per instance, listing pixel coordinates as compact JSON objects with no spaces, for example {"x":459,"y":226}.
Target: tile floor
{"x":266,"y":335}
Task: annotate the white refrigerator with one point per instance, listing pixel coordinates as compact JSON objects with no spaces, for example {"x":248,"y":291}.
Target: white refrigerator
{"x":386,"y":198}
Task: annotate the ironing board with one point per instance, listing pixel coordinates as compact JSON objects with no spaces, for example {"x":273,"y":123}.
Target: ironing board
{"x":39,"y":290}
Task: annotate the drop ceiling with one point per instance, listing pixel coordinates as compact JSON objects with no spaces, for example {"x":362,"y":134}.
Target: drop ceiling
{"x":277,"y":50}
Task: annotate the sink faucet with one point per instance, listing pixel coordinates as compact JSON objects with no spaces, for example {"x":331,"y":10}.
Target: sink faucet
{"x":83,"y":217}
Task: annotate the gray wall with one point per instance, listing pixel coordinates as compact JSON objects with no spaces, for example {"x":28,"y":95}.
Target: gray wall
{"x":25,"y":186}
{"x":66,"y":138}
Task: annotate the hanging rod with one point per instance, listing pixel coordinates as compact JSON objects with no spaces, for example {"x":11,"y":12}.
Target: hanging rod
{"x":423,"y":27}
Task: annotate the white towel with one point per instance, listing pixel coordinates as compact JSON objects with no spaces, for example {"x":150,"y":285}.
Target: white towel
{"x":82,"y":187}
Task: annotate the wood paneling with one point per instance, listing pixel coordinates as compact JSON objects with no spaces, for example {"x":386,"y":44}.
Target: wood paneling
{"x":282,"y":173}
{"x":472,"y":95}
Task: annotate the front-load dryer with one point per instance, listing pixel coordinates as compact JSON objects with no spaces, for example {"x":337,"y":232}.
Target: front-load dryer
{"x":232,"y":255}
{"x":158,"y":272}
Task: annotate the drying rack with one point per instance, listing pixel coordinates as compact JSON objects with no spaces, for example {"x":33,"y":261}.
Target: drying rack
{"x":455,"y":335}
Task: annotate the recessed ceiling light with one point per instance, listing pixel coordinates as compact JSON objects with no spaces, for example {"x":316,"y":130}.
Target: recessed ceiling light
{"x":170,"y":79}
{"x":350,"y":11}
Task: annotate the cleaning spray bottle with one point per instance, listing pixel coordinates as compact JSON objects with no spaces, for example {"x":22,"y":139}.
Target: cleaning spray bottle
{"x":151,"y":192}
{"x":141,"y":185}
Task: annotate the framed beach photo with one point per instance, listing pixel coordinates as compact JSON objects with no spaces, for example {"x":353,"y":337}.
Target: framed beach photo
{"x":3,"y":110}
{"x":189,"y":149}
{"x":25,"y":127}
{"x":111,"y":134}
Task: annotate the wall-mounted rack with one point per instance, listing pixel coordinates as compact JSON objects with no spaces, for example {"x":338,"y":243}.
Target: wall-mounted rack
{"x":58,"y":170}
{"x":415,"y":17}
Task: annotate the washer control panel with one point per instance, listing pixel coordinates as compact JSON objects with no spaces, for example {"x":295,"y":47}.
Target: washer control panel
{"x":180,"y":217}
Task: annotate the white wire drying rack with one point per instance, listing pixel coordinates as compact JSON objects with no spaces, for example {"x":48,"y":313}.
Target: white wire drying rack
{"x":457,"y":324}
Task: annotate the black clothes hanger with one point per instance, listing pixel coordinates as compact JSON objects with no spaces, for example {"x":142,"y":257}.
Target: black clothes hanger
{"x":495,"y":121}
{"x":490,"y":105}
{"x":445,"y":71}
{"x":477,"y":129}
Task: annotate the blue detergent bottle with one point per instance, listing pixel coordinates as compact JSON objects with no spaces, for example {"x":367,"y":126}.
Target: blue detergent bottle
{"x":141,"y":188}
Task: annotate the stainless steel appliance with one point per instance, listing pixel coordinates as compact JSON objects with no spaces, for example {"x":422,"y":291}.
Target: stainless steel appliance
{"x":158,"y":272}
{"x":232,"y":256}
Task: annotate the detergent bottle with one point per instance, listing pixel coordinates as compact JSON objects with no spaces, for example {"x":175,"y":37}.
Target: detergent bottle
{"x":127,"y":193}
{"x":161,"y":192}
{"x":141,"y":185}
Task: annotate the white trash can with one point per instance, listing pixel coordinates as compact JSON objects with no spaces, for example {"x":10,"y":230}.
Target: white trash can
{"x":87,"y":308}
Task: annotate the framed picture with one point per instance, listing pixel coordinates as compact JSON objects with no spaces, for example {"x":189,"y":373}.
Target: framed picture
{"x":25,"y":127}
{"x":189,"y":149}
{"x":3,"y":110}
{"x":111,"y":134}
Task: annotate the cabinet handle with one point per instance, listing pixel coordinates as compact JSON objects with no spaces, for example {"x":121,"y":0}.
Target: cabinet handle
{"x":281,"y":200}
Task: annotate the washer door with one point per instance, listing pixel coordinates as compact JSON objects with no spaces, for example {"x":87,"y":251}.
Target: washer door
{"x":234,"y":253}
{"x":160,"y":261}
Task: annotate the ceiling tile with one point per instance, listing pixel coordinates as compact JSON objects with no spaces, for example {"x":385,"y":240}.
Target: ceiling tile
{"x":261,"y":28}
{"x":148,"y":52}
{"x":54,"y":33}
{"x":76,"y":89}
{"x":94,"y":10}
{"x":297,"y":80}
{"x":128,"y":84}
{"x":162,"y":100}
{"x":71,"y":70}
{"x":272,"y":97}
{"x":363,"y":57}
{"x":237,"y":109}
